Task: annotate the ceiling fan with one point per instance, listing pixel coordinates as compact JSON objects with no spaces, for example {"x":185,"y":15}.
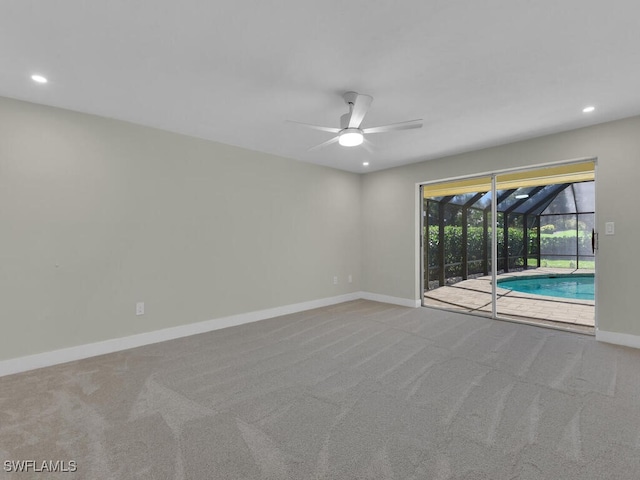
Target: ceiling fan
{"x":350,"y":133}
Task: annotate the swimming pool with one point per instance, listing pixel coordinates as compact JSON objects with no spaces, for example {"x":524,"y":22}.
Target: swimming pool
{"x":578,"y":286}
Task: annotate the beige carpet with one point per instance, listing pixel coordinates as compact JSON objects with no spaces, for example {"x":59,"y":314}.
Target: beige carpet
{"x":360,"y":390}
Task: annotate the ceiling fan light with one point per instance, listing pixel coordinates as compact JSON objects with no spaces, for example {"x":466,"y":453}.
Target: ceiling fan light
{"x":350,"y":137}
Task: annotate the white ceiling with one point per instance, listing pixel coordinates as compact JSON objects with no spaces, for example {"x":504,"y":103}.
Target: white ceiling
{"x":478,"y":73}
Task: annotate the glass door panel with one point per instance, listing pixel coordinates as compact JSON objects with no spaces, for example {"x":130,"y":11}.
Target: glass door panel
{"x":544,"y":228}
{"x":456,"y":230}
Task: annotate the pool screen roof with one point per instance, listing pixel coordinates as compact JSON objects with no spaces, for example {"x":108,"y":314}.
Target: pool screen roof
{"x":556,"y":190}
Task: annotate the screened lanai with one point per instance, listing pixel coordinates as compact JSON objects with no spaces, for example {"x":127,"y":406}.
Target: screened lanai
{"x":544,"y":252}
{"x":537,"y":226}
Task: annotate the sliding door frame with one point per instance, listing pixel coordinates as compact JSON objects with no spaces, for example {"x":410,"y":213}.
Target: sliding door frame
{"x":421,"y":244}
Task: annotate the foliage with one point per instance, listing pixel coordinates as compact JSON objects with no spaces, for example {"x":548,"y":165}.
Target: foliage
{"x":565,"y":245}
{"x":453,"y":246}
{"x":568,"y":233}
{"x":562,"y":222}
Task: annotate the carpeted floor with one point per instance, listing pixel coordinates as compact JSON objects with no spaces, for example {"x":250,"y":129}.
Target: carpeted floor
{"x":360,"y":390}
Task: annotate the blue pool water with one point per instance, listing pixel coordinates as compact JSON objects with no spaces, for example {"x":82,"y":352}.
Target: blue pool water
{"x":566,"y":286}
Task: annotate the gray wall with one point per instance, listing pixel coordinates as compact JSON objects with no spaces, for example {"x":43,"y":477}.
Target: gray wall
{"x":97,"y":214}
{"x":390,"y":263}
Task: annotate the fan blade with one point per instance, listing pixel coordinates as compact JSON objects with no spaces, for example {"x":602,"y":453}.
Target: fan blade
{"x":316,"y":127}
{"x":367,"y":145}
{"x":359,"y":110}
{"x":324,"y":144}
{"x":394,"y":127}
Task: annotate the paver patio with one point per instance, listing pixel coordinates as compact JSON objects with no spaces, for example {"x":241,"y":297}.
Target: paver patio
{"x":475,"y":296}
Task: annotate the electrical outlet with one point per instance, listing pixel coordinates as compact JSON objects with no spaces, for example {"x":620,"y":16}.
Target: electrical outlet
{"x":350,"y":278}
{"x":335,"y":280}
{"x":140,"y":308}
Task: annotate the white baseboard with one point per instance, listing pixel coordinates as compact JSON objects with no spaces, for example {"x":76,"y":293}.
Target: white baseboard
{"x":616,"y":338}
{"x":46,"y":359}
{"x":377,"y":297}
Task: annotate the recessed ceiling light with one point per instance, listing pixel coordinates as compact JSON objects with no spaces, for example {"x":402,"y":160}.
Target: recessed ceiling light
{"x":38,"y":78}
{"x":365,"y":164}
{"x":521,"y":196}
{"x":588,"y":109}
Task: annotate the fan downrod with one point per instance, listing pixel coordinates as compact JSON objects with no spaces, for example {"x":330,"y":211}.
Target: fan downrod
{"x":350,"y":97}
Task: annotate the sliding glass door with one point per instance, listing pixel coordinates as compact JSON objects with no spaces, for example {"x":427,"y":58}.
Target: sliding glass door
{"x":532,"y":230}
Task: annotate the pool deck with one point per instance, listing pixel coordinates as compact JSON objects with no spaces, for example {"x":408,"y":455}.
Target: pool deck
{"x":474,"y":296}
